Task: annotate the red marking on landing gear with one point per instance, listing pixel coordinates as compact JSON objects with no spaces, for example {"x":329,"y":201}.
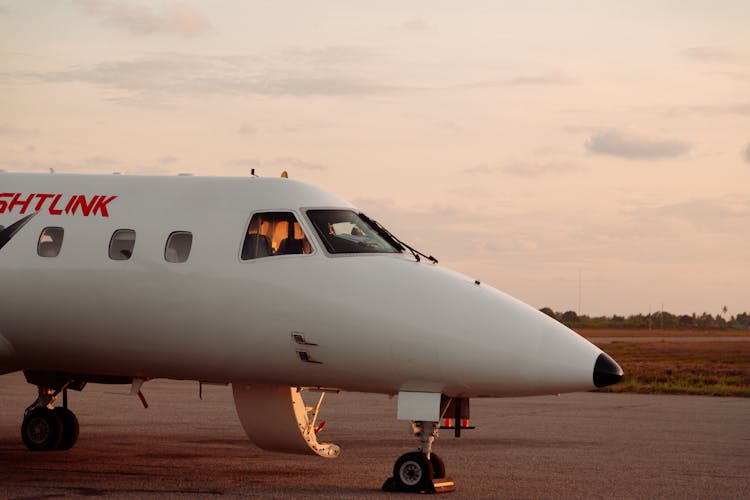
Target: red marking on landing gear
{"x":319,"y":427}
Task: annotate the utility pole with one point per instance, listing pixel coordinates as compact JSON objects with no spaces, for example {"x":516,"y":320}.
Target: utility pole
{"x":579,"y":291}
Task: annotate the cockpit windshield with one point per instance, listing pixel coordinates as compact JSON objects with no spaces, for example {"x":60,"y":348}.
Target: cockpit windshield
{"x":345,"y":231}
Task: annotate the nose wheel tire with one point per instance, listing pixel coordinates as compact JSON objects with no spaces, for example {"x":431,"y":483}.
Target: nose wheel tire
{"x":438,"y":466}
{"x":42,"y":429}
{"x":413,"y":472}
{"x":69,"y":428}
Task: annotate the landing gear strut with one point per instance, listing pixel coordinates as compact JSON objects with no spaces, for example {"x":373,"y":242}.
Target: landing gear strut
{"x":46,"y":427}
{"x":420,"y":471}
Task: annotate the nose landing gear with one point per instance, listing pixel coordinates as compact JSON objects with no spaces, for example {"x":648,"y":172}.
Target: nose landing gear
{"x":420,"y":471}
{"x":45,"y":427}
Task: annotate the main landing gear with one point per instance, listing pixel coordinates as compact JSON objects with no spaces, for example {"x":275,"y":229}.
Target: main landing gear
{"x":420,"y":471}
{"x":46,"y":427}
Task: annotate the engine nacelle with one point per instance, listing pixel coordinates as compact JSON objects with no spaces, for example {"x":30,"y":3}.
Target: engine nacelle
{"x":275,"y":418}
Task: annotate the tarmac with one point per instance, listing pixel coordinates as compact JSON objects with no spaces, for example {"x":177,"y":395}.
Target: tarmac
{"x":585,"y":445}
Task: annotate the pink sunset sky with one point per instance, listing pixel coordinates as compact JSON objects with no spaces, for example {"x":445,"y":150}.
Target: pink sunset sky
{"x":521,"y":143}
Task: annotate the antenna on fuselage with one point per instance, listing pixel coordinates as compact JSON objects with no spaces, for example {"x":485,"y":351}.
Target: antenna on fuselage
{"x":284,"y":175}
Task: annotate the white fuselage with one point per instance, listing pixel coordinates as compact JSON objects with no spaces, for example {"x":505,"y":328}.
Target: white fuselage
{"x":381,"y":322}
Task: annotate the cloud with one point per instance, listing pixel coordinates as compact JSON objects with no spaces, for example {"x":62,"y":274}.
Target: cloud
{"x":246,"y":162}
{"x":536,"y":169}
{"x":26,"y":165}
{"x":578,"y":129}
{"x":99,"y":160}
{"x":740,"y":108}
{"x":740,"y":76}
{"x":729,"y":215}
{"x":176,"y":74}
{"x":248,"y":129}
{"x":710,"y":54}
{"x":175,"y":19}
{"x":288,"y":162}
{"x":325,"y":72}
{"x":746,"y":153}
{"x":168,"y":160}
{"x":19,"y":150}
{"x":634,"y":147}
{"x":522,"y":169}
{"x":8,"y":129}
{"x":482,"y":169}
{"x":416,"y":24}
{"x":334,"y":56}
{"x":547,"y":78}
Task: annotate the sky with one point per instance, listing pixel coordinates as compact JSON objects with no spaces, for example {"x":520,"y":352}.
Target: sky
{"x":590,"y":156}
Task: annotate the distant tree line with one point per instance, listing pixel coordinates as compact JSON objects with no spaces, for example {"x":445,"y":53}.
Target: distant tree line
{"x":655,"y":320}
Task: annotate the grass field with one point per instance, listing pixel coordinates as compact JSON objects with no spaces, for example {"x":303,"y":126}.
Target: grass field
{"x":720,"y":368}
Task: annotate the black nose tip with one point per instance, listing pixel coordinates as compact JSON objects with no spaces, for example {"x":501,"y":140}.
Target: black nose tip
{"x":606,"y":371}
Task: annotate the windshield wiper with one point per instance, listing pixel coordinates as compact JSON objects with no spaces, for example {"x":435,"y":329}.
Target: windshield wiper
{"x":393,"y":240}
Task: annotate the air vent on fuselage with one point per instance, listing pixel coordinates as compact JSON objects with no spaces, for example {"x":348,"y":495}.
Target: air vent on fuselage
{"x":299,"y":338}
{"x":305,"y":356}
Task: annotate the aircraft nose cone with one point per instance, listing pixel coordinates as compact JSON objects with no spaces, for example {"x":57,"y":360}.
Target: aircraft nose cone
{"x":606,"y":371}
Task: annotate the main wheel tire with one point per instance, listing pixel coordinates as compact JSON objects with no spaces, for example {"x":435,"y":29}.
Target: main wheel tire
{"x":69,"y":428}
{"x":438,"y":466}
{"x":413,"y":472}
{"x":42,"y":430}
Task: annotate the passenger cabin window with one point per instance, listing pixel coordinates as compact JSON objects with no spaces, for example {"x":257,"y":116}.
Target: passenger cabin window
{"x":50,"y":242}
{"x":178,"y":246}
{"x":121,"y":245}
{"x":274,"y":233}
{"x":345,"y":231}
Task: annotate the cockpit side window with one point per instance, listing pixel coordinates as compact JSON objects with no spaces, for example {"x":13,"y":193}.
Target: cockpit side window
{"x":50,"y":242}
{"x":344,"y":231}
{"x":274,"y":233}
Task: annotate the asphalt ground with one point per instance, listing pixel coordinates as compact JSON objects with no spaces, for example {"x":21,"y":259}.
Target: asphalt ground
{"x":588,"y":445}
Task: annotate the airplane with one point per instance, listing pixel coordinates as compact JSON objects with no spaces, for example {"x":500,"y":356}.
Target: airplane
{"x":272,"y":285}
